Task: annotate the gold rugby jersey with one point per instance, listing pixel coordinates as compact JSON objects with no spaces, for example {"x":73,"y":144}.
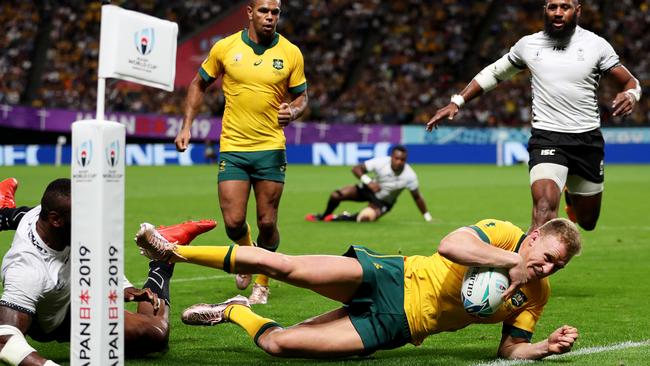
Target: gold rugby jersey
{"x":432,"y":300}
{"x":255,"y":81}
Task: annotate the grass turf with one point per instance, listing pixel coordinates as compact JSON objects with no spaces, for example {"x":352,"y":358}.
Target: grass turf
{"x":602,"y":292}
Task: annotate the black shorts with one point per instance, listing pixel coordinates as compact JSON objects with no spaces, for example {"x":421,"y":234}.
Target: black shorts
{"x":583,"y":153}
{"x":366,"y":194}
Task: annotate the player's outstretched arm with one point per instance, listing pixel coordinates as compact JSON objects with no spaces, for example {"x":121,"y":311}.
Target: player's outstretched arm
{"x":471,"y":91}
{"x":14,"y":349}
{"x":422,"y":206}
{"x":626,"y":100}
{"x":193,"y":103}
{"x":483,"y":82}
{"x":560,"y":341}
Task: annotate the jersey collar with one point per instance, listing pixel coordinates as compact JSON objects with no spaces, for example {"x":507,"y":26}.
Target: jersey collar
{"x":521,"y":240}
{"x":257,"y":48}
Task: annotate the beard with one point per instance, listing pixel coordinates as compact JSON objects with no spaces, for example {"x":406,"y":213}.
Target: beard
{"x":559,"y":34}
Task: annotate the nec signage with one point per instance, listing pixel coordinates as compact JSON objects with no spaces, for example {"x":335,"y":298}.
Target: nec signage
{"x":347,"y":153}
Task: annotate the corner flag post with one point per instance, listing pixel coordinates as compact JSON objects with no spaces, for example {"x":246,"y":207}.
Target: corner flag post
{"x":142,"y":49}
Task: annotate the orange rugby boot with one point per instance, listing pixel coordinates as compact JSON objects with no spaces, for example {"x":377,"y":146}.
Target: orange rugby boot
{"x":185,"y":232}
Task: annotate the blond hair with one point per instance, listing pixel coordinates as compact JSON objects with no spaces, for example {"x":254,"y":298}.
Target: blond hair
{"x":566,"y":232}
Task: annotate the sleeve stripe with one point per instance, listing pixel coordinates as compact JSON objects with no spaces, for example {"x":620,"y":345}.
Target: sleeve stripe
{"x":205,"y":76}
{"x":481,"y":234}
{"x":17,"y":307}
{"x":613,"y":66}
{"x":515,"y":332}
{"x":298,"y":88}
{"x":522,"y":67}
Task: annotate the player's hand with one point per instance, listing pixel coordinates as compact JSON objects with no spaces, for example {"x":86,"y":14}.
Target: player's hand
{"x":142,"y":295}
{"x":286,"y":114}
{"x":448,"y":112}
{"x":182,"y":140}
{"x":374,"y":186}
{"x":623,"y":104}
{"x":518,"y":277}
{"x":562,"y":339}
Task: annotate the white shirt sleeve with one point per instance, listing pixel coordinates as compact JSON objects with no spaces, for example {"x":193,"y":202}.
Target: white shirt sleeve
{"x":516,"y":54}
{"x":372,"y":164}
{"x":23,"y":287}
{"x":412,"y":183}
{"x":608,"y":57}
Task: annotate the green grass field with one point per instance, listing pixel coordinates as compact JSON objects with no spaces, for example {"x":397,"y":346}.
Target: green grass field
{"x":604,"y":292}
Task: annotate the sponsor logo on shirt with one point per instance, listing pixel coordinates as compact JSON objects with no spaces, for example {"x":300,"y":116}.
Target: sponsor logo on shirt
{"x":518,"y":299}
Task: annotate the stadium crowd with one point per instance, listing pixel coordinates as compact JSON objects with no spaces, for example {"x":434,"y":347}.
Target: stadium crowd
{"x":367,"y":61}
{"x":19,"y":21}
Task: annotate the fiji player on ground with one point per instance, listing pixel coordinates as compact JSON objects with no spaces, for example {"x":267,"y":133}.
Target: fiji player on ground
{"x":566,"y":147}
{"x":260,"y":70}
{"x":392,"y":176}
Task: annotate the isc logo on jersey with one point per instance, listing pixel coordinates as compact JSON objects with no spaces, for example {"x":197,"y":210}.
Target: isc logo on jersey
{"x":482,"y":290}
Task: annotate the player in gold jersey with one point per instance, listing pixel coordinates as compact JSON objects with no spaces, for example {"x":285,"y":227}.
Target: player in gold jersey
{"x":391,"y":300}
{"x":264,"y":84}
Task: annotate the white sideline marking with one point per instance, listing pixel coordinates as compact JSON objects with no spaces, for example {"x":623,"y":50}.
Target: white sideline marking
{"x":578,"y":352}
{"x":192,"y":279}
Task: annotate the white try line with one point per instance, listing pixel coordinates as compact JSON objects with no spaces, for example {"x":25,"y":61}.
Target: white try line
{"x":578,"y":352}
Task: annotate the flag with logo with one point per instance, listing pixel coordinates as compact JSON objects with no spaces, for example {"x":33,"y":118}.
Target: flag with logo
{"x":137,"y":47}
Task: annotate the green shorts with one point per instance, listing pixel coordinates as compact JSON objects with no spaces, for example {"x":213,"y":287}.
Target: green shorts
{"x":253,"y":165}
{"x":377,"y":309}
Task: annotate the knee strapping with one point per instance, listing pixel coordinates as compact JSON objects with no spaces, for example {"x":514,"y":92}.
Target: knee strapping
{"x":269,"y":247}
{"x":237,"y":233}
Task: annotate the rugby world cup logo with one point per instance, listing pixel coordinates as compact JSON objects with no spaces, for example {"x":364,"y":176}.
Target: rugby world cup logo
{"x":84,"y":153}
{"x":113,"y":153}
{"x":144,"y":41}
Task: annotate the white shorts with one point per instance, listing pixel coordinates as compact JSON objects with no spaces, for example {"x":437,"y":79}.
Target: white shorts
{"x":559,"y":174}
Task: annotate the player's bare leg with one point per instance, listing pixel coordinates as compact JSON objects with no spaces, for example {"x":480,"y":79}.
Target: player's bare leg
{"x":347,"y":193}
{"x":328,"y":335}
{"x":586,"y":209}
{"x":546,"y":200}
{"x":336,"y":277}
{"x":267,"y":198}
{"x":233,"y":200}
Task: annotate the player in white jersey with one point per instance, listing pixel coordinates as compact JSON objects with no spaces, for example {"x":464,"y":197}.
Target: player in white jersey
{"x":566,"y":146}
{"x":392,"y":175}
{"x":36,"y":281}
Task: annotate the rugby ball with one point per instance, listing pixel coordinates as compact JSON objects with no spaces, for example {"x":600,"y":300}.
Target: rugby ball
{"x":482,"y":290}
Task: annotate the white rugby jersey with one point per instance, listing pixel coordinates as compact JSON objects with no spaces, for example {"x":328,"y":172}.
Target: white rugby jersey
{"x":565,"y":78}
{"x":391,"y":184}
{"x":35,"y":277}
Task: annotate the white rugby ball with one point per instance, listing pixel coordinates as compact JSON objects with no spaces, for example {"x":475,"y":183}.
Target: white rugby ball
{"x":482,"y":290}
